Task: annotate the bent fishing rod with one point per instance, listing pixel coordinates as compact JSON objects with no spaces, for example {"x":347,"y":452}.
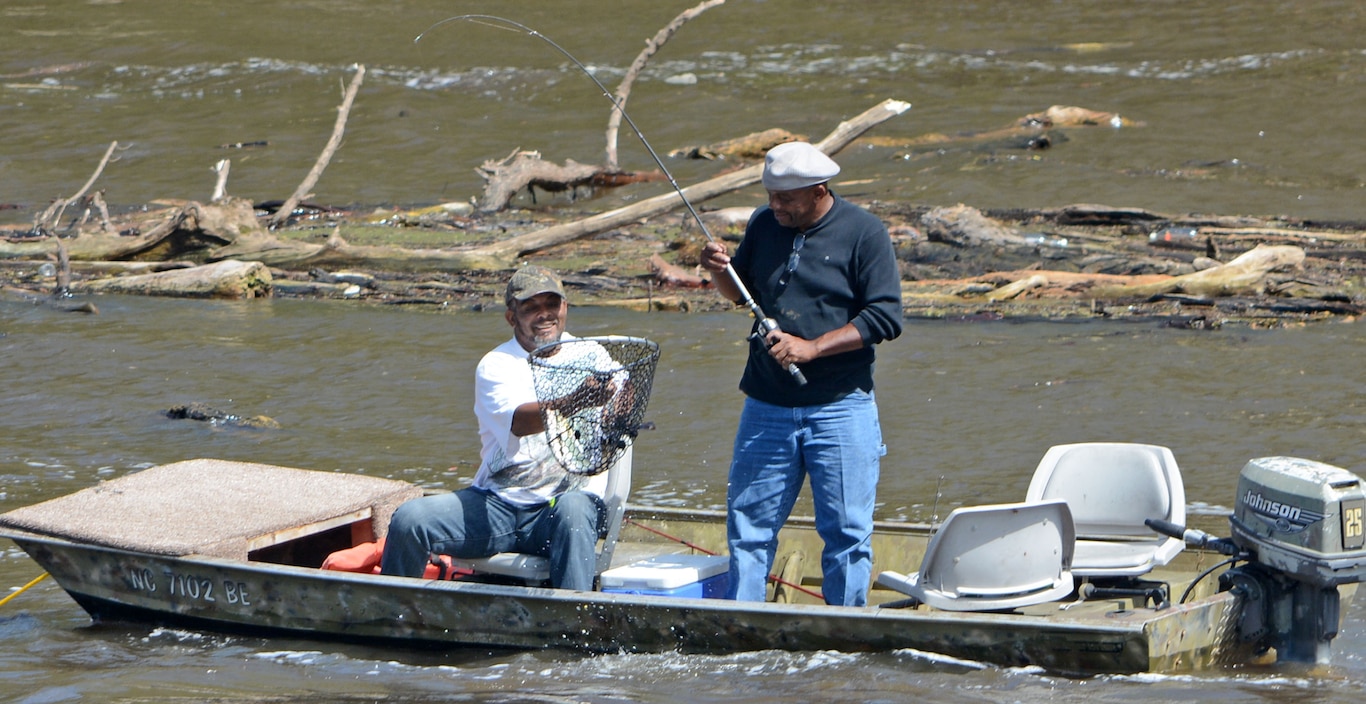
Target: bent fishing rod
{"x":766,"y":325}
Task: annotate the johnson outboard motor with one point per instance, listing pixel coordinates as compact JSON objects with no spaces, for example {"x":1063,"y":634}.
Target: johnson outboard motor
{"x":1299,"y":523}
{"x":1297,"y":527}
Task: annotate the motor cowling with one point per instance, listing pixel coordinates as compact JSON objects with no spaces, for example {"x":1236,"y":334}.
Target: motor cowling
{"x":1303,"y":518}
{"x":1301,"y":523}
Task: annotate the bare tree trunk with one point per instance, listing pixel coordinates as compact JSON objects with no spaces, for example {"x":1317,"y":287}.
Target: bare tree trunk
{"x":311,"y":179}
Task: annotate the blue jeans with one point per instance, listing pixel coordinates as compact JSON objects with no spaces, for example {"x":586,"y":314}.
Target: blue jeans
{"x":476,"y":523}
{"x":839,"y":446}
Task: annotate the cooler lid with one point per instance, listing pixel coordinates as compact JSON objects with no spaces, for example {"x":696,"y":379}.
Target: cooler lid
{"x":665,"y":571}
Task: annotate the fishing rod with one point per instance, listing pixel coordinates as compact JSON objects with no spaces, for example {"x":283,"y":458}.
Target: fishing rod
{"x":766,"y":325}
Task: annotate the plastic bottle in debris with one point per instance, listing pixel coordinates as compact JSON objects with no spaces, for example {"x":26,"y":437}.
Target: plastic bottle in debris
{"x":1177,"y":238}
{"x":1040,"y":240}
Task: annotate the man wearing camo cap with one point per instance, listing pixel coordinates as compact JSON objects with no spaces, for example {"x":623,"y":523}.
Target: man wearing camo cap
{"x":522,"y":500}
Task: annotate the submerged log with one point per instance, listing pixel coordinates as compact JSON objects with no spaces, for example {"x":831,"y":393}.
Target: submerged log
{"x":209,"y":414}
{"x":226,"y":279}
{"x":1055,"y":117}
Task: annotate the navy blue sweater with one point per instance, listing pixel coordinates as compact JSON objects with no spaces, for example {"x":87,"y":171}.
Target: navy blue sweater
{"x":846,"y":272}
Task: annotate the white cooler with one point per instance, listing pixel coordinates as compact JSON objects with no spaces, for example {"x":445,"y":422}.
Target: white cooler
{"x":695,"y":576}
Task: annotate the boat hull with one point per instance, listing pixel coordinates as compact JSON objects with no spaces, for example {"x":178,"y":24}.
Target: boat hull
{"x":243,"y":596}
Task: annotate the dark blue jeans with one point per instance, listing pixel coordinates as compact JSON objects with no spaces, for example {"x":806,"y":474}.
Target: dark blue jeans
{"x":474,"y":523}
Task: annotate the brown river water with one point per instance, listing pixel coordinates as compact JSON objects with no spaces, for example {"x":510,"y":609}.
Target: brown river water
{"x":1246,"y":107}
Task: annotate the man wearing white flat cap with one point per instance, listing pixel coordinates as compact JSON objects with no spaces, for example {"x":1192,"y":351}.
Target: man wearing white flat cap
{"x":824,"y":269}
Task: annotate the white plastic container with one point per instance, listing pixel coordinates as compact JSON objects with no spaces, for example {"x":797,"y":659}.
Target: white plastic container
{"x":695,"y":576}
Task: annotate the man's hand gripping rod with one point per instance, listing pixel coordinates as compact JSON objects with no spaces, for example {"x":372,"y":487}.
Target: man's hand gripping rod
{"x":767,"y":325}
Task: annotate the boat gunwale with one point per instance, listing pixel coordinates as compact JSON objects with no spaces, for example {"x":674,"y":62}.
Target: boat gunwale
{"x":1133,"y":621}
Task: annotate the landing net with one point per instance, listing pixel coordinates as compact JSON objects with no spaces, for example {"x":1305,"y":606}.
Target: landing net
{"x":593,"y":392}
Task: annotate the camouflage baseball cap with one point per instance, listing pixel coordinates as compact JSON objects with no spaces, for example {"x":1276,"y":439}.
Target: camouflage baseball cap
{"x":531,"y":280}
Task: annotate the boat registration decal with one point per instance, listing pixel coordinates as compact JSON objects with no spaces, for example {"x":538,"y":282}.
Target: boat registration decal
{"x":142,"y":579}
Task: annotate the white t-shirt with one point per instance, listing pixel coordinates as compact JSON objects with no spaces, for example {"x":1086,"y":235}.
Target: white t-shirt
{"x":522,"y":470}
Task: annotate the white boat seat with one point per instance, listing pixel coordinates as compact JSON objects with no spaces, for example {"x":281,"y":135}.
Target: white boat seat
{"x":995,"y":557}
{"x":1111,"y":488}
{"x":534,"y":569}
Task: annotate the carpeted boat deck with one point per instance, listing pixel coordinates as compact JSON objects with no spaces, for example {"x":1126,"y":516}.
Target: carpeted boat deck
{"x":212,"y":507}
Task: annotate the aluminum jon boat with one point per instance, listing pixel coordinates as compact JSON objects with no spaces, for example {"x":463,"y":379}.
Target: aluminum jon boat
{"x":1055,"y":581}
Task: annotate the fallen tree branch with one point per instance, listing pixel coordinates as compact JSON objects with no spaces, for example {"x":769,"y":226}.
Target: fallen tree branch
{"x":652,"y":47}
{"x":531,"y":242}
{"x":674,"y":276}
{"x":521,"y":169}
{"x":1242,"y":275}
{"x":97,"y":200}
{"x":1018,"y":287}
{"x":333,"y":143}
{"x":337,"y":252}
{"x":49,"y":217}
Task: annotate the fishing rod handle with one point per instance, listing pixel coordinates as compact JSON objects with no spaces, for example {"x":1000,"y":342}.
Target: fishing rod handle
{"x":767,"y":325}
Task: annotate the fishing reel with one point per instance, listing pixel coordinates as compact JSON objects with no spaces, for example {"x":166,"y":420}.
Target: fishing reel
{"x":762,"y":329}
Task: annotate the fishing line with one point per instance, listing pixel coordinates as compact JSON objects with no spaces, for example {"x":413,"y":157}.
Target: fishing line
{"x":23,"y":589}
{"x":766,"y":325}
{"x":934,"y":509}
{"x":772,"y":577}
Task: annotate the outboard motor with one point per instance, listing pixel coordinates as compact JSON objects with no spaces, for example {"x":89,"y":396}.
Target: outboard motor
{"x":1300,"y":525}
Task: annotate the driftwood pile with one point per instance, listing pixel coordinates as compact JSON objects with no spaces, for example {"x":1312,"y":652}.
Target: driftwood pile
{"x":1077,"y":261}
{"x":230,"y":229}
{"x":1090,"y":260}
{"x":1081,"y":260}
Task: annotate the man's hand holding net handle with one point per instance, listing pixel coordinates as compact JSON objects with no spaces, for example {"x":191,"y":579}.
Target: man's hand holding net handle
{"x":595,"y":391}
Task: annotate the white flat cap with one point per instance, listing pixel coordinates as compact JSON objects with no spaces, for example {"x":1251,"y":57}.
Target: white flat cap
{"x":796,"y":165}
